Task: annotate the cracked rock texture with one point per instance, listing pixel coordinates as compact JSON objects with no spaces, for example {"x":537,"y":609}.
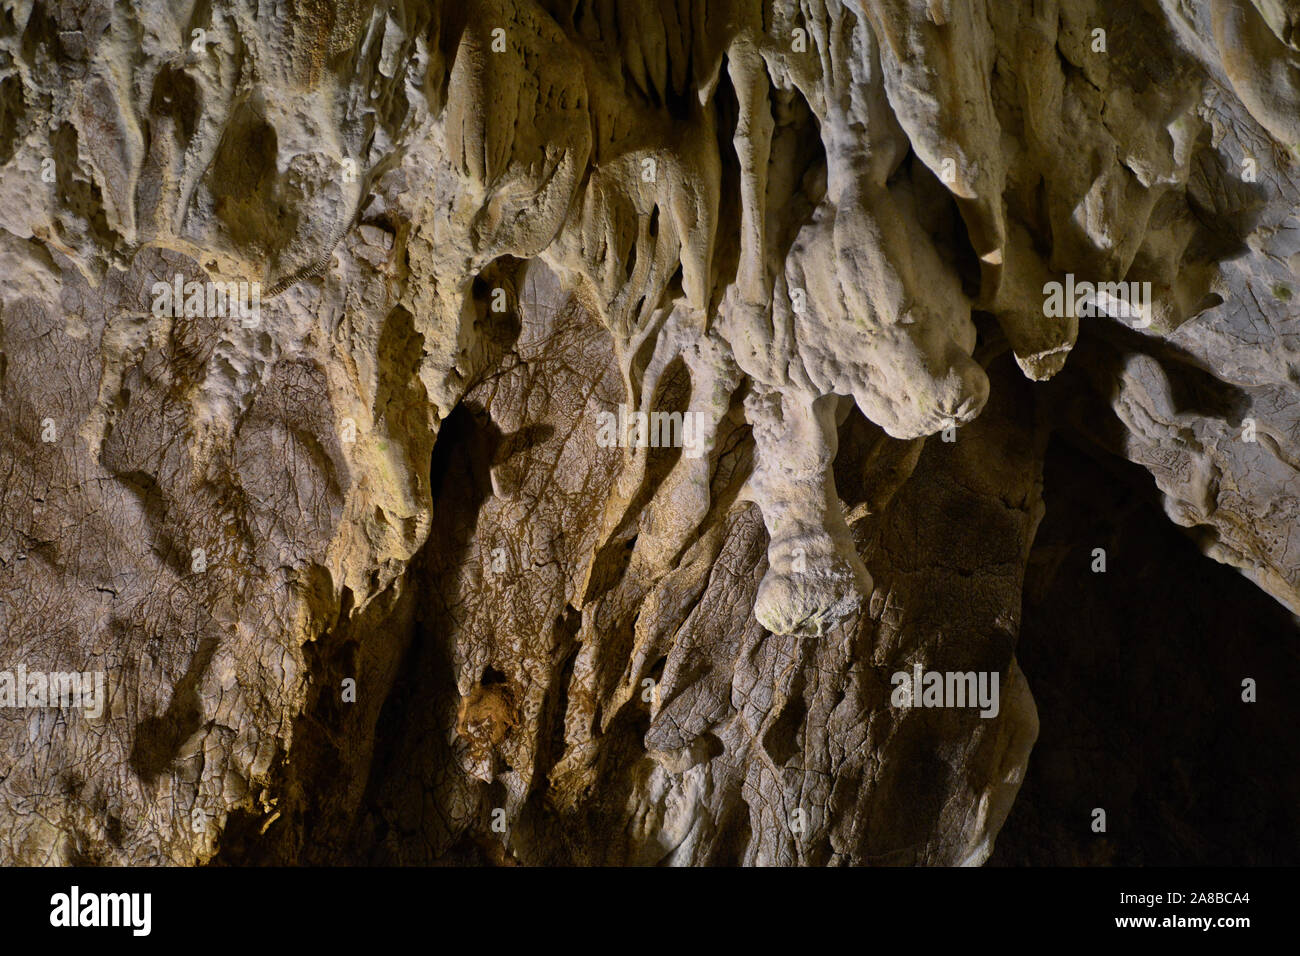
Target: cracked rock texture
{"x":363,"y":577}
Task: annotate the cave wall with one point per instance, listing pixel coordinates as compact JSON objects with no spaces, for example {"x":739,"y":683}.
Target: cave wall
{"x":363,"y":578}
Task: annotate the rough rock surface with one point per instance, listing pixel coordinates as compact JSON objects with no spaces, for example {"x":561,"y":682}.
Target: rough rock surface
{"x":364,"y":579}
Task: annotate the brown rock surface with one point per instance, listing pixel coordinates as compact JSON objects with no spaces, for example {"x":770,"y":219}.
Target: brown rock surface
{"x":363,"y":573}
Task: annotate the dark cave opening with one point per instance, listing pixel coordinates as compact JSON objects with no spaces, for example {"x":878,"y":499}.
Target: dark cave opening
{"x":1137,"y":674}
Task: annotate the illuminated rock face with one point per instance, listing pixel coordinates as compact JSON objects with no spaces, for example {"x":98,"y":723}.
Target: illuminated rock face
{"x":810,"y":242}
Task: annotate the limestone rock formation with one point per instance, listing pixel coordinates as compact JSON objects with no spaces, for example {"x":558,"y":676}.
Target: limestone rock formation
{"x":541,"y":431}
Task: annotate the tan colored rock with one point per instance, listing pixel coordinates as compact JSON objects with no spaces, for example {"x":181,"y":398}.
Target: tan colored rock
{"x":359,"y":568}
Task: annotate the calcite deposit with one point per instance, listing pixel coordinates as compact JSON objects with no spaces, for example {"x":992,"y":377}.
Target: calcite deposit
{"x":338,"y":522}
